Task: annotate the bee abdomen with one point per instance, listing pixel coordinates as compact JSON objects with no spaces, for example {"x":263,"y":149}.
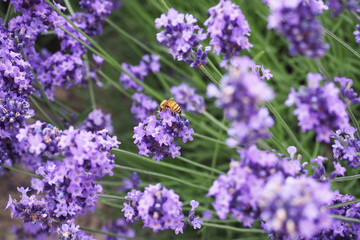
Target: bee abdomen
{"x":175,"y":107}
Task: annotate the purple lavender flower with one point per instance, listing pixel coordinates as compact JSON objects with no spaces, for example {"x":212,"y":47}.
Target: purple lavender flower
{"x":130,"y":183}
{"x":347,"y":147}
{"x":121,"y":227}
{"x":187,"y":98}
{"x":148,"y":64}
{"x":357,"y":33}
{"x":32,"y":231}
{"x":158,"y":207}
{"x":351,"y":97}
{"x":319,"y":107}
{"x":240,"y":93}
{"x":296,"y":21}
{"x":181,"y":36}
{"x":237,"y":191}
{"x":159,"y":137}
{"x":142,"y":107}
{"x":295,"y":208}
{"x":97,"y":121}
{"x":340,"y":229}
{"x":99,"y":8}
{"x":338,"y":6}
{"x":194,"y":221}
{"x":228,"y":29}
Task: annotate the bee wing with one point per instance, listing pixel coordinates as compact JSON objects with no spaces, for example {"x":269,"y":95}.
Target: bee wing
{"x":171,"y":99}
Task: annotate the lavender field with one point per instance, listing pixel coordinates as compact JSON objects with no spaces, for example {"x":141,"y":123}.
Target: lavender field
{"x":173,"y":119}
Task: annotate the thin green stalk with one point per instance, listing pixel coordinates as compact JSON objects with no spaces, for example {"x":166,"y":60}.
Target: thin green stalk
{"x":115,"y":84}
{"x":92,"y":94}
{"x":42,"y":111}
{"x":243,"y":230}
{"x":69,"y":7}
{"x":110,"y":204}
{"x":214,"y":67}
{"x":8,"y":13}
{"x":288,"y":130}
{"x":110,"y":196}
{"x":128,"y":154}
{"x":64,"y":106}
{"x":344,"y":204}
{"x":106,"y":233}
{"x":21,"y":171}
{"x":203,"y":69}
{"x":164,"y":4}
{"x":353,"y":119}
{"x":199,"y":165}
{"x":164,"y":83}
{"x":210,"y":139}
{"x":58,"y":111}
{"x":163,"y":176}
{"x":344,"y":44}
{"x":214,"y":120}
{"x":322,"y":70}
{"x":345,"y":219}
{"x":348,"y":178}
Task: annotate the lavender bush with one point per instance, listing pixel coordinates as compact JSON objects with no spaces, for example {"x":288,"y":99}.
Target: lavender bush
{"x":266,"y":145}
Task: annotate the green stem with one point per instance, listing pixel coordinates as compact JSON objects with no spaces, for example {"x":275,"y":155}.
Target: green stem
{"x":110,"y":204}
{"x":210,"y":139}
{"x":322,"y":69}
{"x":69,"y":7}
{"x":92,"y":94}
{"x":203,"y":69}
{"x":110,"y":196}
{"x":42,"y":111}
{"x":345,"y":219}
{"x":344,"y":44}
{"x":115,"y":84}
{"x":130,"y":156}
{"x":353,"y":119}
{"x":8,"y":13}
{"x":349,"y":178}
{"x":214,"y":67}
{"x":344,"y":204}
{"x":106,"y":233}
{"x":164,"y":4}
{"x":199,"y":165}
{"x":288,"y":130}
{"x":163,"y":176}
{"x":243,"y":230}
{"x":214,"y":120}
{"x":22,"y":171}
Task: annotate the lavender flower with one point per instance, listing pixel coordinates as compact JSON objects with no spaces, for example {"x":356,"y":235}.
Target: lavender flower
{"x":228,"y":29}
{"x":319,"y":107}
{"x":158,"y":207}
{"x":142,"y":107}
{"x":194,"y":221}
{"x":99,"y":8}
{"x":32,"y":231}
{"x":240,"y":93}
{"x":295,"y":208}
{"x":357,"y":33}
{"x":296,"y":21}
{"x":9,"y":154}
{"x":159,"y":137}
{"x":347,"y":147}
{"x":340,"y":229}
{"x":121,"y":227}
{"x":181,"y":36}
{"x":97,"y":121}
{"x":187,"y":98}
{"x":351,"y":97}
{"x":237,"y":191}
{"x":130,"y":183}
{"x":338,"y":6}
{"x":148,"y":64}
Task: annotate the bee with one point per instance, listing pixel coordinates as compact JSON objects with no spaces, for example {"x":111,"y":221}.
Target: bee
{"x":170,"y":104}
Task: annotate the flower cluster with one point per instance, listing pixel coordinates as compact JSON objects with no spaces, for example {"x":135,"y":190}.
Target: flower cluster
{"x":194,"y":221}
{"x":32,"y":231}
{"x":295,"y":208}
{"x":159,"y":137}
{"x":338,"y":6}
{"x":240,"y":93}
{"x":130,"y":183}
{"x":97,"y":121}
{"x":9,"y":154}
{"x":357,"y":33}
{"x":142,"y":107}
{"x":228,"y":29}
{"x":319,"y":107}
{"x":158,"y":207}
{"x":339,"y":229}
{"x":237,"y":192}
{"x":347,"y":146}
{"x":296,"y":21}
{"x":121,"y":227}
{"x":351,"y":97}
{"x":148,"y":64}
{"x":181,"y":36}
{"x":187,"y":98}
{"x":36,"y":142}
{"x":99,"y":8}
